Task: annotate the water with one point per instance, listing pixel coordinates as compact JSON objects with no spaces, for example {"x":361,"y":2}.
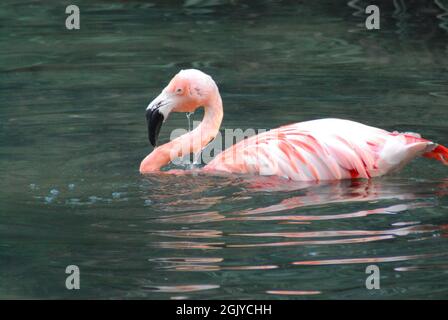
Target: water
{"x":72,"y":135}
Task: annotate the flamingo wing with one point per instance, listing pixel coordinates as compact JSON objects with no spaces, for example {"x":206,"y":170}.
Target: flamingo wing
{"x":325,"y":149}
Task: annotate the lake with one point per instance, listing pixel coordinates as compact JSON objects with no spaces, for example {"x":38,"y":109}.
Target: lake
{"x":73,"y":133}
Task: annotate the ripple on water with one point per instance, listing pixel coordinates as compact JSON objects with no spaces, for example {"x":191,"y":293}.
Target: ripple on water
{"x":240,"y":227}
{"x":293,"y":292}
{"x":182,"y":288}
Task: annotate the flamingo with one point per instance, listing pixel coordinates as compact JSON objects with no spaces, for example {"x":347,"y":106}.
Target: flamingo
{"x":316,"y":150}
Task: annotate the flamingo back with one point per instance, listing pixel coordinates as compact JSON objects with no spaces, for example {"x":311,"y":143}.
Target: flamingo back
{"x":325,"y":149}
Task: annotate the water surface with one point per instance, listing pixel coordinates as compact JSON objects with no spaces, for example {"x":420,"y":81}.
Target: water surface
{"x":72,"y":135}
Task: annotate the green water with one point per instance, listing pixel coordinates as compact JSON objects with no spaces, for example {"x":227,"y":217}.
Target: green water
{"x":73,"y":132}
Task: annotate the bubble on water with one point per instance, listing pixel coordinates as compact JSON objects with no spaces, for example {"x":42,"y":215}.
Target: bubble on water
{"x":34,"y":186}
{"x":71,"y":186}
{"x":116,"y":195}
{"x":49,"y":199}
{"x":94,"y":199}
{"x":148,"y":202}
{"x":54,"y":192}
{"x":73,"y":201}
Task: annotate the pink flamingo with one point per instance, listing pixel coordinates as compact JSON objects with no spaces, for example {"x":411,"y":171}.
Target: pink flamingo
{"x":325,"y":149}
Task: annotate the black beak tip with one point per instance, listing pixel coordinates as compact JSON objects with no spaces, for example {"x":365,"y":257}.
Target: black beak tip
{"x":152,"y":141}
{"x":154,"y":120}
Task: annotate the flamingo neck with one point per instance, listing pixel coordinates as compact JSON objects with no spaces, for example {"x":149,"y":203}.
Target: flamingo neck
{"x":191,"y":142}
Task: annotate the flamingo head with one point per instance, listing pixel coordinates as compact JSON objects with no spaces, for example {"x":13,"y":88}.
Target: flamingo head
{"x":187,"y":91}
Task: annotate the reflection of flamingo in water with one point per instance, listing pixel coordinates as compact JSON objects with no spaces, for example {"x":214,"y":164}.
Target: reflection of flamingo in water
{"x":372,"y":197}
{"x":294,"y":206}
{"x":325,"y":149}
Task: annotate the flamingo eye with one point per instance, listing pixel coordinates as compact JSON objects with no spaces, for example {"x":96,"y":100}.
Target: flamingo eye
{"x":179,"y":91}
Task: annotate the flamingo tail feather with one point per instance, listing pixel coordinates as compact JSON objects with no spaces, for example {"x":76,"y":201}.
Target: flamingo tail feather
{"x":439,"y":153}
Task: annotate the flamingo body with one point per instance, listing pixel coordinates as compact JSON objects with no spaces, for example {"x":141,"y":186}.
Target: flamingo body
{"x":325,"y":149}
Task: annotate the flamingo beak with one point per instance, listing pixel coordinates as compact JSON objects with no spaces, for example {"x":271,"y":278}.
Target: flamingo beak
{"x":154,"y":120}
{"x":156,"y":113}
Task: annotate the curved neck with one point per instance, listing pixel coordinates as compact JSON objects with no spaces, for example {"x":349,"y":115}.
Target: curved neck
{"x":191,"y":142}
